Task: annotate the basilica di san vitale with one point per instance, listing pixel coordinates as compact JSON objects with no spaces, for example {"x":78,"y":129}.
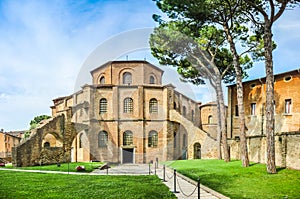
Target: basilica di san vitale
{"x":127,"y":116}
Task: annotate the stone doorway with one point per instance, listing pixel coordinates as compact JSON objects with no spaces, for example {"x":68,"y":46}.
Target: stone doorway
{"x":127,"y":155}
{"x":197,"y":150}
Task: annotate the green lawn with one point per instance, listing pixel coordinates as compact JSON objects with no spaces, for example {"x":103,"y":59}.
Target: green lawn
{"x":89,"y":167}
{"x":38,"y":185}
{"x":234,"y":181}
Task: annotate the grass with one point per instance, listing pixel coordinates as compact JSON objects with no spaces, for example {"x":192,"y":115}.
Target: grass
{"x":234,"y":181}
{"x":65,"y":167}
{"x":38,"y":185}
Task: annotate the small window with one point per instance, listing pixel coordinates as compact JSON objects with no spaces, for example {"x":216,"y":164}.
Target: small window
{"x":252,"y":85}
{"x":80,"y":140}
{"x":102,"y":139}
{"x":153,"y":108}
{"x":46,"y":144}
{"x":253,"y":108}
{"x":288,"y":106}
{"x":102,"y":80}
{"x":103,"y":106}
{"x":152,"y":139}
{"x":210,"y":119}
{"x":127,"y":138}
{"x":184,"y":111}
{"x":175,"y":105}
{"x":127,"y":78}
{"x":152,"y":80}
{"x":128,"y":105}
{"x":287,"y":78}
{"x":236,"y":110}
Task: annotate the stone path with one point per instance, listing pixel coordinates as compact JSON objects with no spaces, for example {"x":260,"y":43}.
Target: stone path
{"x":185,"y":187}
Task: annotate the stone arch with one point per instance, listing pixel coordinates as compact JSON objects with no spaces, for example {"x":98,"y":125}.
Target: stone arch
{"x":53,"y":139}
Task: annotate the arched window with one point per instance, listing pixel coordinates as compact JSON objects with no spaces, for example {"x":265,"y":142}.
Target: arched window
{"x":46,"y":144}
{"x":193,"y":115}
{"x":128,"y":105}
{"x":102,"y":80}
{"x":127,"y":78}
{"x":210,"y":119}
{"x":80,"y":140}
{"x":153,"y":108}
{"x":103,"y":106}
{"x":184,"y":111}
{"x":152,"y":80}
{"x":175,"y":141}
{"x":175,"y":105}
{"x":102,"y":139}
{"x":152,"y":139}
{"x":127,"y":138}
{"x":184,"y":141}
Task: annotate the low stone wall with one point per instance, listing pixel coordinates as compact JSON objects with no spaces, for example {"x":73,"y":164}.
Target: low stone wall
{"x":287,"y":149}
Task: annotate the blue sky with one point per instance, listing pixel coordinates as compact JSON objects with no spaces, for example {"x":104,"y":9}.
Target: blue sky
{"x":44,"y":46}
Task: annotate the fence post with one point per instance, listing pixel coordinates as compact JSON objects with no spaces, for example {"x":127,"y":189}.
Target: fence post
{"x":149,"y":169}
{"x":107,"y":170}
{"x":154,"y":170}
{"x":175,"y":181}
{"x":164,"y":173}
{"x":198,"y":185}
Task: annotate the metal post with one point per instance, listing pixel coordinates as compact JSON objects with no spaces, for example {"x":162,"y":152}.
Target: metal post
{"x":175,"y":181}
{"x":164,"y":173}
{"x":149,"y":169}
{"x":154,"y":170}
{"x":107,"y":169}
{"x":198,"y":185}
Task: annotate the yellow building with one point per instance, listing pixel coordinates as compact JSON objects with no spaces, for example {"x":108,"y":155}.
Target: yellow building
{"x":287,"y":119}
{"x":133,"y":118}
{"x":7,"y":141}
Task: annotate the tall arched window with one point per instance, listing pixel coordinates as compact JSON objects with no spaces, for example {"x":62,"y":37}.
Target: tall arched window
{"x":210,"y":119}
{"x":152,"y":139}
{"x":174,"y":105}
{"x":127,"y":138}
{"x":184,"y":111}
{"x":102,"y":139}
{"x":193,"y":115}
{"x":184,"y":141}
{"x":80,"y":140}
{"x":103,"y":106}
{"x":175,"y":141}
{"x":127,"y":78}
{"x":102,"y":80}
{"x":128,"y":105}
{"x":153,"y":108}
{"x":152,"y":80}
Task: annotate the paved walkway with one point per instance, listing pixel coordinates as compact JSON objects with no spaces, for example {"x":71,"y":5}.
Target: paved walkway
{"x":185,"y":187}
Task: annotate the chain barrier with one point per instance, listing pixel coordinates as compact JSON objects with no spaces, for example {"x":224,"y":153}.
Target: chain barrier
{"x":169,"y":177}
{"x":187,"y":195}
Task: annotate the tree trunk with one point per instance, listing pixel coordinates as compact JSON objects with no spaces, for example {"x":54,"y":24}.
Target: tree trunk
{"x":240,"y":98}
{"x":271,"y":167}
{"x":222,"y":117}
